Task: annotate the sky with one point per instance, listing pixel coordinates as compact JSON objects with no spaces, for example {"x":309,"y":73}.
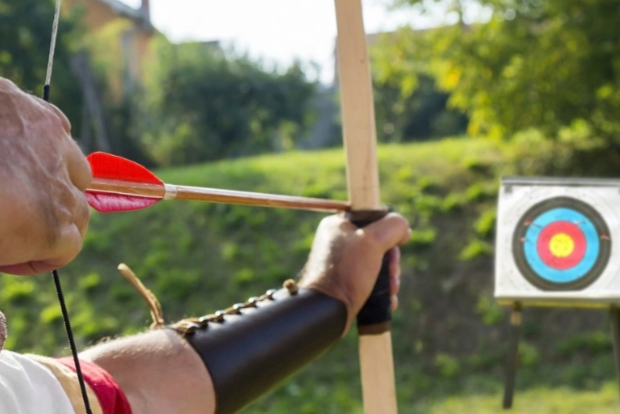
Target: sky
{"x":278,"y":31}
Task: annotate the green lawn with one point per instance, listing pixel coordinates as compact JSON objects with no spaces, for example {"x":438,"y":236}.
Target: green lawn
{"x":449,"y":335}
{"x":536,"y":401}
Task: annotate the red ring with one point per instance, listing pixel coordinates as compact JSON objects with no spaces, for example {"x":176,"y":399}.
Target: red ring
{"x":571,"y":230}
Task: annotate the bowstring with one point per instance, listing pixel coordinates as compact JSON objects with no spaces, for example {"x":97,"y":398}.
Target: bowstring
{"x":61,"y":297}
{"x":50,"y":60}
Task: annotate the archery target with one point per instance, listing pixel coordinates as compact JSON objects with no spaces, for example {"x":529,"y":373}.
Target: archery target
{"x":556,"y":242}
{"x":561,"y":244}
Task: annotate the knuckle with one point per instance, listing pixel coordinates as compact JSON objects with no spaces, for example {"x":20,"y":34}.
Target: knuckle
{"x":58,"y":123}
{"x":72,"y":246}
{"x":394,"y":301}
{"x":7,"y":85}
{"x":399,"y":220}
{"x":328,"y":220}
{"x":369,"y":241}
{"x":82,"y":211}
{"x":64,"y":121}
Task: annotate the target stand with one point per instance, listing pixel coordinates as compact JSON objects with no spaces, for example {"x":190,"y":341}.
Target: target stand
{"x":556,"y":247}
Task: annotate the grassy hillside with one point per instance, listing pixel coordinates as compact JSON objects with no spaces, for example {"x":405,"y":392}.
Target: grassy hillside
{"x":449,"y":336}
{"x":541,"y":400}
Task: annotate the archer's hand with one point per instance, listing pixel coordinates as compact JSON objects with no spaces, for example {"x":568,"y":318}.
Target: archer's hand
{"x":345,"y":261}
{"x":43,"y":174}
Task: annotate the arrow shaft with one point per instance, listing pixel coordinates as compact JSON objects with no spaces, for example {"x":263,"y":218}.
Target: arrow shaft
{"x":127,"y":187}
{"x":215,"y":195}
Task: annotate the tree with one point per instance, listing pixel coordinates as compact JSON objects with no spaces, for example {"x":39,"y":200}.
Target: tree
{"x":409,"y":105}
{"x":201,"y":103}
{"x":542,"y":64}
{"x":25,"y":30}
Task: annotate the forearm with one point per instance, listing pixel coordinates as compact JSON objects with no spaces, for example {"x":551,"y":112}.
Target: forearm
{"x":222,"y":363}
{"x":159,"y":373}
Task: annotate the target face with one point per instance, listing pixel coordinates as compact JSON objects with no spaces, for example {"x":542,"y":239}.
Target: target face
{"x":561,"y":244}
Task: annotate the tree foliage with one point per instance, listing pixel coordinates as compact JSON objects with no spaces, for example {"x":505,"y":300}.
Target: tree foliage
{"x":409,"y":105}
{"x":201,"y":103}
{"x":25,"y":30}
{"x":542,"y":64}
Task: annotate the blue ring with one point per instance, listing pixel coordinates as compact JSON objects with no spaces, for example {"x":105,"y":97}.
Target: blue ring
{"x":555,"y":275}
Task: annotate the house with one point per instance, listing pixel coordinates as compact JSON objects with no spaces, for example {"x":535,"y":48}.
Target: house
{"x":132,"y":43}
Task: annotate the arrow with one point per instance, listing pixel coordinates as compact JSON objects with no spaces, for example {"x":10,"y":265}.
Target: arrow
{"x":122,"y":185}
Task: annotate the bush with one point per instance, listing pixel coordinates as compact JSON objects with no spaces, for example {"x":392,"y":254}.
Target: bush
{"x":201,"y":103}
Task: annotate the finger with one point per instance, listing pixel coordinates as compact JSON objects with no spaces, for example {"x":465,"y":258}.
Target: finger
{"x":394,"y":270}
{"x":81,"y":212}
{"x":390,"y":231}
{"x":68,"y":248}
{"x":28,"y":269}
{"x":70,"y":245}
{"x":8,"y":86}
{"x":394,"y":261}
{"x":66,"y":124}
{"x":21,"y":269}
{"x":77,"y":166}
{"x":394,"y":285}
{"x":394,"y":300}
{"x":406,"y":239}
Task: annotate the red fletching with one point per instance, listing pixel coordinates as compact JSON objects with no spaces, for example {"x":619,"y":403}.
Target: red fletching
{"x":113,"y":167}
{"x":114,"y":203}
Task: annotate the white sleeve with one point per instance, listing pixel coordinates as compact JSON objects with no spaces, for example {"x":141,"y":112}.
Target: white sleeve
{"x":27,"y":387}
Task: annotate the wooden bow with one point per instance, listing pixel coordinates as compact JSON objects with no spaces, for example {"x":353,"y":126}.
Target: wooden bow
{"x":360,"y":137}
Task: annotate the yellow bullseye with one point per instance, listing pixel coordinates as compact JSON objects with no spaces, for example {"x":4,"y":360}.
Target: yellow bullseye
{"x":561,"y":245}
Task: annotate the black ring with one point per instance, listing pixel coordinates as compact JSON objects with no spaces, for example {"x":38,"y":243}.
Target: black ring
{"x":588,"y":211}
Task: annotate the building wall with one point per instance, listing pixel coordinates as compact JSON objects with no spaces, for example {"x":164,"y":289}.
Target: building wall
{"x":132,"y":44}
{"x":142,"y":42}
{"x":96,"y":14}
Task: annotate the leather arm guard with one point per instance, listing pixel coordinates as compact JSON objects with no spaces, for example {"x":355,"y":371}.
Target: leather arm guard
{"x":251,"y":347}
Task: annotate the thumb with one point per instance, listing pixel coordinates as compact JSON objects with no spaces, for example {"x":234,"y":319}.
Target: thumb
{"x":392,"y":230}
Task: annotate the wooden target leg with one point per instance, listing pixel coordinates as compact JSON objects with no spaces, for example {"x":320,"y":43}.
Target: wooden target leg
{"x":513,"y":356}
{"x":614,"y":322}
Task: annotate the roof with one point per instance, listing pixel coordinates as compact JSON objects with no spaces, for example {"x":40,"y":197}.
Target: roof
{"x":125,"y":10}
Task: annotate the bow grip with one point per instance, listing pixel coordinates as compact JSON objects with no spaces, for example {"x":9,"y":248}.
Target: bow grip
{"x":375,"y":316}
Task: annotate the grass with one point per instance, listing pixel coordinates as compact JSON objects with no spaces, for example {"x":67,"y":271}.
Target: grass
{"x":449,"y":336}
{"x":541,"y":400}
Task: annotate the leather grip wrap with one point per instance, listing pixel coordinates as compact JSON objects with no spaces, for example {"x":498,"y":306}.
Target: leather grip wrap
{"x":377,"y":309}
{"x":250,"y":353}
{"x":375,"y":316}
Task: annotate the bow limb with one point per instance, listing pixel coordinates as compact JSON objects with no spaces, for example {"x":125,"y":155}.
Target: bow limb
{"x":359,"y":130}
